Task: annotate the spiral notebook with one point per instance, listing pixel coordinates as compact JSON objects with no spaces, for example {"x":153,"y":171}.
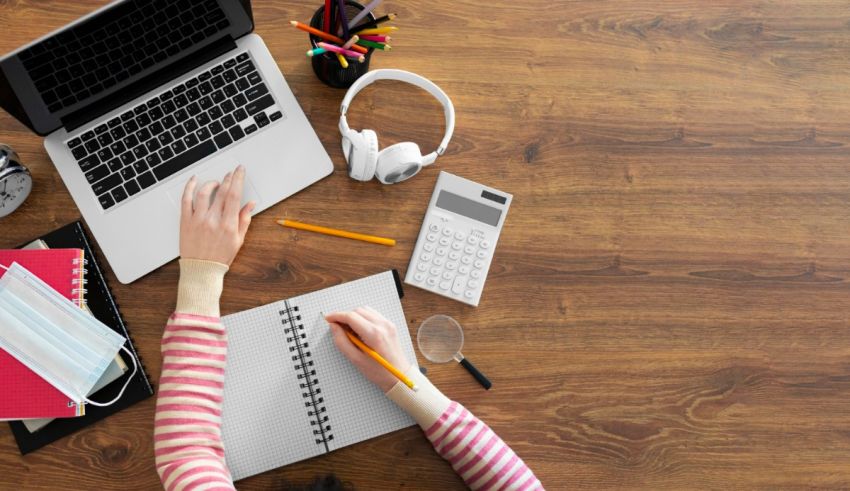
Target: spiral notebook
{"x":63,"y":269}
{"x":289,"y":394}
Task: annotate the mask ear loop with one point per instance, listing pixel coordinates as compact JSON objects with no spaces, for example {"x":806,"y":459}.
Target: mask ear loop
{"x":4,"y":267}
{"x":130,"y":379}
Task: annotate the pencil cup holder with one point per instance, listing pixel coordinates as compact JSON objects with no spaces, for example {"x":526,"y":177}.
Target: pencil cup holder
{"x":326,"y":65}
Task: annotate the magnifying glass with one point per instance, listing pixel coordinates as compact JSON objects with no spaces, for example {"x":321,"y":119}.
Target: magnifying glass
{"x":440,"y":340}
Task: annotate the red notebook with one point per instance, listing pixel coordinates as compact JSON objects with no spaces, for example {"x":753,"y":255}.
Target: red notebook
{"x":23,"y":394}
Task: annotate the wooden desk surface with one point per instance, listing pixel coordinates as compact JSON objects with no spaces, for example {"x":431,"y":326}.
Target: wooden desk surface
{"x":668,"y":304}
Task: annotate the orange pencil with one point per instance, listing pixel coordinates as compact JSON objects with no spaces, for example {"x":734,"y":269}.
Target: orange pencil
{"x":326,"y":36}
{"x":380,"y":359}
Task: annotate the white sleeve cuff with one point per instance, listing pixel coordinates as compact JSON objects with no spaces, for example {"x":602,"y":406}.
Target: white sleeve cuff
{"x":200,"y":287}
{"x":425,"y":405}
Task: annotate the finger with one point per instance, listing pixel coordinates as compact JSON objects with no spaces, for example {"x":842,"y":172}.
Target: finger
{"x":233,"y":200}
{"x":370,"y":315}
{"x":202,"y":199}
{"x":188,"y":197}
{"x":245,"y":218}
{"x":221,"y":195}
{"x":358,"y":324}
{"x":345,"y":345}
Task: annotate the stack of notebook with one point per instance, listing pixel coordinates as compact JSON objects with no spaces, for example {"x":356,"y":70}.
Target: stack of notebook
{"x":64,"y":260}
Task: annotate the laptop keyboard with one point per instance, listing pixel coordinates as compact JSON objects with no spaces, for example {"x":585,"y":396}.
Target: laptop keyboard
{"x":170,"y":132}
{"x":84,"y":61}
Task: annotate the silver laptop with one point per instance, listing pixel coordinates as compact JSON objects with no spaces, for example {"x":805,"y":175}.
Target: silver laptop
{"x":139,"y":96}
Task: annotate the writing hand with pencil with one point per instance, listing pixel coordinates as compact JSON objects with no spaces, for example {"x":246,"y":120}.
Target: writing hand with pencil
{"x":377,"y":334}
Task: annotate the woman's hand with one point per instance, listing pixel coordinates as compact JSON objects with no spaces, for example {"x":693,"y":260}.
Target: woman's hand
{"x":214,"y":231}
{"x":377,"y":333}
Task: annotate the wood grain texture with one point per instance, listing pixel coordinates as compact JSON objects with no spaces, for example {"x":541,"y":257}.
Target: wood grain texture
{"x":668,"y":303}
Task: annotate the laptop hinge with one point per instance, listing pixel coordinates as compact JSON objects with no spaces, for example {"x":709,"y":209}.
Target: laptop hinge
{"x":157,"y":79}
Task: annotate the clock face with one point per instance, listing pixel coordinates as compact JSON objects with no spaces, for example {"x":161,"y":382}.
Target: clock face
{"x":14,"y":189}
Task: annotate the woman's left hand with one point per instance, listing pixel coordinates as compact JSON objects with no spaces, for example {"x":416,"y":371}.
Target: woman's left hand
{"x":214,"y":230}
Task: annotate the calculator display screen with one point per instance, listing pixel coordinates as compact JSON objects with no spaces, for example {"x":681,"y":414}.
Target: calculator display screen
{"x":468,"y":208}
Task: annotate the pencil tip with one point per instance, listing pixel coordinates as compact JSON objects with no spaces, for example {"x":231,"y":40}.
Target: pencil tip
{"x":294,"y":22}
{"x":415,"y":388}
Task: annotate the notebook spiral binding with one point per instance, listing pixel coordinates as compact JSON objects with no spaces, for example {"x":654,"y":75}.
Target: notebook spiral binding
{"x":78,"y":284}
{"x":306,"y":374}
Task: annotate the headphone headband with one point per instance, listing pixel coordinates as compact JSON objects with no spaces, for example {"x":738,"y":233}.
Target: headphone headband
{"x":410,"y":78}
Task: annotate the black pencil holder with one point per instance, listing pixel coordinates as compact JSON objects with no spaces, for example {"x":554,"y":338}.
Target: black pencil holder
{"x":326,"y":65}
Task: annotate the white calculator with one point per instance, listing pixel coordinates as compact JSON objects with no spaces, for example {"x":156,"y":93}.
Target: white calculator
{"x":457,"y":239}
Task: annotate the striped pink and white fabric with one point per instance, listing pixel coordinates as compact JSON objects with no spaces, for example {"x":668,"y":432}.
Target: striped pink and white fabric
{"x":187,"y":430}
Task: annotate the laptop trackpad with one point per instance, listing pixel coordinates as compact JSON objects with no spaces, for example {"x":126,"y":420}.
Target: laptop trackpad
{"x":249,"y":191}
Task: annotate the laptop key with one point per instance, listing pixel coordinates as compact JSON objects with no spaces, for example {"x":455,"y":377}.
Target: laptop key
{"x":140,"y":151}
{"x":113,"y":122}
{"x":178,"y":147}
{"x":172,"y":166}
{"x":118,"y":148}
{"x":204,"y":134}
{"x":242,"y":57}
{"x":276,"y":115}
{"x":75,"y":142}
{"x":228,"y":121}
{"x":88,"y":135}
{"x":236,"y":133}
{"x":240,"y":100}
{"x":97,"y":173}
{"x":106,"y":201}
{"x":256,"y":106}
{"x":127,"y":158}
{"x":106,"y":184}
{"x":131,"y":141}
{"x":261,"y":119}
{"x":245,"y":68}
{"x":150,"y":161}
{"x":92,"y":146}
{"x":250,"y":129}
{"x":132,"y":187}
{"x":223,"y":140}
{"x":256,"y":91}
{"x":89,"y":162}
{"x":115,"y":164}
{"x":146,"y":180}
{"x":119,"y":194}
{"x":105,"y":139}
{"x":104,"y":154}
{"x":101,"y":129}
{"x":216,"y":128}
{"x":128,"y":173}
{"x":254,"y":78}
{"x":240,"y":115}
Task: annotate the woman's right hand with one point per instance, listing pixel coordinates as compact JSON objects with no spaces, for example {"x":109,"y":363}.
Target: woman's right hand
{"x":377,"y":333}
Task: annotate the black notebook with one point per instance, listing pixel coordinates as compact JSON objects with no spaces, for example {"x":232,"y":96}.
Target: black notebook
{"x":102,"y":305}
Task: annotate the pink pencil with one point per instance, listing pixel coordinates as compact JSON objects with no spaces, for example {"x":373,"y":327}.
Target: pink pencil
{"x":376,"y":38}
{"x":345,"y":52}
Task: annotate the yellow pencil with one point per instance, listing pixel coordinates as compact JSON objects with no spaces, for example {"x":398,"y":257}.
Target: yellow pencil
{"x":342,"y":60}
{"x":336,"y":233}
{"x":380,"y":359}
{"x":376,"y":30}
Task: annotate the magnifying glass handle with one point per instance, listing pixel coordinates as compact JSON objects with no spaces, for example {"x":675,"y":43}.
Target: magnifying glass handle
{"x":484,"y":381}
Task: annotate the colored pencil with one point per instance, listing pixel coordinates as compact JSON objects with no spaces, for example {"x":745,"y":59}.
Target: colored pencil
{"x":343,"y":20}
{"x":316,"y":51}
{"x":327,"y":25}
{"x":373,"y":23}
{"x":351,"y":41}
{"x":325,"y":35}
{"x":377,"y":39}
{"x":380,"y":359}
{"x":363,"y":13}
{"x":372,"y":44}
{"x":342,"y":60}
{"x":377,"y":30}
{"x":336,"y":233}
{"x":345,"y":52}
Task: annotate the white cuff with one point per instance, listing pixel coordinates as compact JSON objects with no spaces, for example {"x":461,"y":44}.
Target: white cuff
{"x":200,"y":287}
{"x":426,"y":405}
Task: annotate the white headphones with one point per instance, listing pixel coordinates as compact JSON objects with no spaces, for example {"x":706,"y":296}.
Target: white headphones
{"x":397,"y":162}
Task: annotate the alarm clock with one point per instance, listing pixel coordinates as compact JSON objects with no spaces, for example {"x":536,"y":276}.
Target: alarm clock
{"x":15,"y":181}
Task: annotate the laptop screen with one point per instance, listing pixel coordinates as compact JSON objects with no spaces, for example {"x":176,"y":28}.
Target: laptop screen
{"x":125,"y":43}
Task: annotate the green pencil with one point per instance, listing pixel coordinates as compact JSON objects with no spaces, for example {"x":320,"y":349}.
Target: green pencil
{"x":372,"y":44}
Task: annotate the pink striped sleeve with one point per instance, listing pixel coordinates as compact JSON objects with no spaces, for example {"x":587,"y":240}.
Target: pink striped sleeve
{"x":187,"y":427}
{"x":477,"y":454}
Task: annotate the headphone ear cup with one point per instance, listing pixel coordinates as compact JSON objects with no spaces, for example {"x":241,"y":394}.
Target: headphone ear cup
{"x":361,"y":153}
{"x":398,"y":162}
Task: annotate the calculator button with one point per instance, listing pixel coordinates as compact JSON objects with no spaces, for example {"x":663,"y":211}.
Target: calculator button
{"x":478,"y":263}
{"x":468,"y":294}
{"x":469,"y":250}
{"x":434,"y":227}
{"x":447,"y":275}
{"x":444,"y":241}
{"x":439,"y":261}
{"x":441,"y":251}
{"x":473,"y":283}
{"x":460,"y":235}
{"x":435,"y":271}
{"x":426,"y":256}
{"x":454,"y":255}
{"x":422,"y":267}
{"x":419,"y":276}
{"x":428,"y":247}
{"x":458,"y":285}
{"x":431,"y":237}
{"x":463,"y":269}
{"x":448,"y":232}
{"x":484,"y":244}
{"x":472,"y":240}
{"x":481,"y":254}
{"x":451,"y":266}
{"x":475,"y":273}
{"x":445,"y":285}
{"x":457,"y":246}
{"x":466,"y":260}
{"x":431,"y":281}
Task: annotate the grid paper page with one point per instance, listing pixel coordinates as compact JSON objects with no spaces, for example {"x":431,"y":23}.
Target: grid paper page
{"x":265,"y":421}
{"x":357,"y":409}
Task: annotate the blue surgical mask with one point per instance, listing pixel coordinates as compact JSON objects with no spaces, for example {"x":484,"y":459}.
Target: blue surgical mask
{"x":60,"y":342}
